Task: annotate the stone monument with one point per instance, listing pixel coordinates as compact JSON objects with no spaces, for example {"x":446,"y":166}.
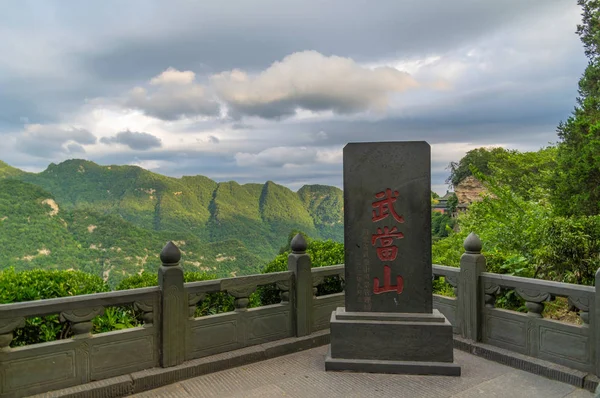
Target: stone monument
{"x":389,"y":324}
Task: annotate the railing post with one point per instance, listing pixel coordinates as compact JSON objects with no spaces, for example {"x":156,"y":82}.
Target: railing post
{"x":173,"y":307}
{"x":299,"y":263}
{"x":470,"y":297}
{"x":596,"y":325}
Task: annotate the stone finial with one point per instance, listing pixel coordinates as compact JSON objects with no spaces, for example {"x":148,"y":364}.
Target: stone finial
{"x":299,"y":244}
{"x":170,"y":254}
{"x":472,"y":243}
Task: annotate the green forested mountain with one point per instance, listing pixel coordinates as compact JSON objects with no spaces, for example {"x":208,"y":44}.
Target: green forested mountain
{"x":9,"y":171}
{"x":112,"y":221}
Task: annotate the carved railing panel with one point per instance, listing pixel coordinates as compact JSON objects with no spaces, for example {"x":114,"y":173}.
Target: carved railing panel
{"x":328,"y":280}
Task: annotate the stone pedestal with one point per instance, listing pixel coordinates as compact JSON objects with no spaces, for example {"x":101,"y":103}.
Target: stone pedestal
{"x":384,"y":342}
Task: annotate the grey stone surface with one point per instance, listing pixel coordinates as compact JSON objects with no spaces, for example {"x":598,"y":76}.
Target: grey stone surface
{"x":302,"y":375}
{"x":387,"y":185}
{"x":391,"y":366}
{"x":299,"y":263}
{"x":389,"y":325}
{"x":292,"y":372}
{"x":342,"y":315}
{"x":374,"y":338}
{"x":173,"y":308}
{"x":519,"y":384}
{"x":470,"y":294}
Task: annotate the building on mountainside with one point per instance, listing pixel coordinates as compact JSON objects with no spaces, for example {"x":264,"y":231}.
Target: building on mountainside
{"x":442,"y":203}
{"x":469,"y":190}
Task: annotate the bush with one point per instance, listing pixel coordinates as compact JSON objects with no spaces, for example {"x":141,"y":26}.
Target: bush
{"x":322,"y":254}
{"x":42,"y":284}
{"x":214,"y":303}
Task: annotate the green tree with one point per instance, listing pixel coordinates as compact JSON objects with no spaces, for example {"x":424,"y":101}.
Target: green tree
{"x":577,"y":177}
{"x":528,"y":174}
{"x":452,"y":203}
{"x":479,"y":158}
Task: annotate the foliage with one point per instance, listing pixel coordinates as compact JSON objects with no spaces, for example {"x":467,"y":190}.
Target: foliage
{"x":42,"y":284}
{"x":478,"y":158}
{"x":441,"y":225}
{"x":523,"y":236}
{"x":104,"y":245}
{"x":571,"y":250}
{"x":149,"y":209}
{"x":527,"y":174}
{"x":322,"y":254}
{"x":577,"y":177}
{"x":7,"y":171}
{"x":214,"y":303}
{"x":452,"y":203}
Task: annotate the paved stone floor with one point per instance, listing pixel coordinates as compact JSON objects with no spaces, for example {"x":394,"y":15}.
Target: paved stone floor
{"x":303,"y":375}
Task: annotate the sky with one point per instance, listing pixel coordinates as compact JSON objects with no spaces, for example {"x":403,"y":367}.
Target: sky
{"x":272,"y":90}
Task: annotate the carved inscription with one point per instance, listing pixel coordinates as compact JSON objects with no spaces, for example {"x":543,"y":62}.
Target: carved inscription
{"x":384,"y":240}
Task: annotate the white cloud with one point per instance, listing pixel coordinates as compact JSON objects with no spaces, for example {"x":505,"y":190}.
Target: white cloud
{"x":174,"y":95}
{"x":311,"y":81}
{"x":289,"y":157}
{"x":173,"y":76}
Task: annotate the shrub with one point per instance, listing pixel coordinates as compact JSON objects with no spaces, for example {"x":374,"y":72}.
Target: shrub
{"x":42,"y":284}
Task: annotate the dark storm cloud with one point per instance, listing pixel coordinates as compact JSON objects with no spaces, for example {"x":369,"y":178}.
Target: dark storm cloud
{"x":134,"y":140}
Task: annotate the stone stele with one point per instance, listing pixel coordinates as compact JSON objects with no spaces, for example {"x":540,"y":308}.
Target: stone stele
{"x":389,"y":324}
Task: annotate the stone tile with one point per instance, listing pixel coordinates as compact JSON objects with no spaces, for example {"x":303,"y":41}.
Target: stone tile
{"x":302,"y":375}
{"x":268,"y":391}
{"x":518,"y":384}
{"x":171,"y":391}
{"x":580,"y":393}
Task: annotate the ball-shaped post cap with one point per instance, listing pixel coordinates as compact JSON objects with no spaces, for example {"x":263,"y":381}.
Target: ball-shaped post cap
{"x":299,"y":244}
{"x":473,"y":243}
{"x":170,"y":254}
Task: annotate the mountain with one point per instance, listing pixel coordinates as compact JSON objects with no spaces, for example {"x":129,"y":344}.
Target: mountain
{"x":9,"y":171}
{"x":113,"y":220}
{"x":35,"y":232}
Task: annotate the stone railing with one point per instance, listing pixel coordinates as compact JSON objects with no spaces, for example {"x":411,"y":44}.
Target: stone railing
{"x":172,"y":335}
{"x":475,"y":317}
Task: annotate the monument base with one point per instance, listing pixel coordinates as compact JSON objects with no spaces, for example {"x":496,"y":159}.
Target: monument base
{"x":383,"y":342}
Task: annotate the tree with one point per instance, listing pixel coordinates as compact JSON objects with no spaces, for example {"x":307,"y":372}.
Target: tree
{"x":576,"y":188}
{"x":528,"y":174}
{"x":479,"y":158}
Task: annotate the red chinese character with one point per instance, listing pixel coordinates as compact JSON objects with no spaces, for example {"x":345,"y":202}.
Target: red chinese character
{"x":387,"y":282}
{"x":387,"y":252}
{"x":385,"y":205}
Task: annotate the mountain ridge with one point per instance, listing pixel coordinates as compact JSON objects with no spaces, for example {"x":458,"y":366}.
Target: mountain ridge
{"x":257,"y":216}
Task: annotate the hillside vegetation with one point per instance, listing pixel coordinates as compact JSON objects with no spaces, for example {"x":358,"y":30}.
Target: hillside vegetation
{"x":112,"y":221}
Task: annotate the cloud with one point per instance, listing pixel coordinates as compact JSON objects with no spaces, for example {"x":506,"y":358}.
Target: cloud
{"x":75,"y":149}
{"x":134,"y":140}
{"x":48,"y":141}
{"x":311,"y":81}
{"x":289,"y":156}
{"x":174,"y":95}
